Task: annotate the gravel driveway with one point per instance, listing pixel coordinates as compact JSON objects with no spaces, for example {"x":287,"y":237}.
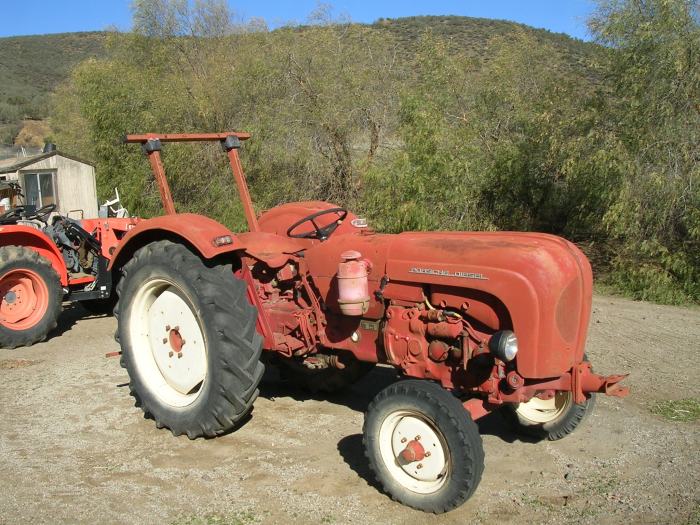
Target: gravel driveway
{"x":73,"y":448}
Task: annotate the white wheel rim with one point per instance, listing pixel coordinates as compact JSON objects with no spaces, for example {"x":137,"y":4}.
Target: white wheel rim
{"x":545,"y":410}
{"x":160,"y":313}
{"x":430,"y":473}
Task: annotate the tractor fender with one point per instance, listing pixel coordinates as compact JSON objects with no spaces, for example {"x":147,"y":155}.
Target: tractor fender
{"x":196,"y":231}
{"x":18,"y":235}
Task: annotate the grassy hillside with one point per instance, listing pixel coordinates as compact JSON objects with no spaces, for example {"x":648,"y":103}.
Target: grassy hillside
{"x":474,"y":35}
{"x":31,"y":67}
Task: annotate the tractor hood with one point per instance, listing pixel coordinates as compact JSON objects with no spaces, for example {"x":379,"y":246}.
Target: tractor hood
{"x":544,"y":282}
{"x":538,"y":285}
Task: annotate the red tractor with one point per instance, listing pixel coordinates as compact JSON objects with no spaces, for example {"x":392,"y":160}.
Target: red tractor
{"x":46,"y":258}
{"x":474,"y":322}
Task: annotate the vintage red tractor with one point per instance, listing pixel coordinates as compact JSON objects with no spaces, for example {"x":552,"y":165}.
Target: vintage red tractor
{"x":46,"y":258}
{"x":475,"y":322}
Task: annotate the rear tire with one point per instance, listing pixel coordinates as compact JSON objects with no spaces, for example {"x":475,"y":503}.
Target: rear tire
{"x":31,"y":296}
{"x":418,"y":411}
{"x":188,"y":339}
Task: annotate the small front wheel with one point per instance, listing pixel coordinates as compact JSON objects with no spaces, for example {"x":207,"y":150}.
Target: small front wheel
{"x":423,"y":446}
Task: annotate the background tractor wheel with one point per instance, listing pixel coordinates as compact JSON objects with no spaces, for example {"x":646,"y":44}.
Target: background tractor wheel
{"x":188,"y":339}
{"x":423,"y":446}
{"x":327,"y":380}
{"x":31,"y":295}
{"x":550,"y":419}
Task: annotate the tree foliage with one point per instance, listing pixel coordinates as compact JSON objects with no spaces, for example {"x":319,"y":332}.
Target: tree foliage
{"x":599,"y":144}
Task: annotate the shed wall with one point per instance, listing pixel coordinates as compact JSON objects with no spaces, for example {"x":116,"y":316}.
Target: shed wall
{"x":75,"y":184}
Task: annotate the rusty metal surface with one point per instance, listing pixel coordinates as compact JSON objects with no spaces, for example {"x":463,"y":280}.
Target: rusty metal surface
{"x":197,"y":230}
{"x":184,"y":137}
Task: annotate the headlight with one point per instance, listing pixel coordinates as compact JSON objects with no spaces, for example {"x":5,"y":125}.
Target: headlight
{"x":504,"y":345}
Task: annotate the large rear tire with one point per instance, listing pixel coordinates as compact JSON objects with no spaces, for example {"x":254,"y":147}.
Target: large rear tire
{"x":423,"y":446}
{"x":31,"y":296}
{"x":188,"y":339}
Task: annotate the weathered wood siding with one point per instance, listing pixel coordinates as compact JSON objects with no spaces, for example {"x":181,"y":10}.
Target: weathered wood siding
{"x":75,"y":183}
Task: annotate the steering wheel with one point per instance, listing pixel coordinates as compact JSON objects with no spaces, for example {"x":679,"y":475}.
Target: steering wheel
{"x":12,"y":215}
{"x":43,"y":213}
{"x":321,"y":233}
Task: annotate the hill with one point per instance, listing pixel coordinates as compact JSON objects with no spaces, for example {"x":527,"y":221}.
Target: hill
{"x":30,"y":69}
{"x":32,"y":66}
{"x":473,"y":35}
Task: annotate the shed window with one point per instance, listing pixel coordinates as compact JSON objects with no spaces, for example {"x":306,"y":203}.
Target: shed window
{"x":39,"y":189}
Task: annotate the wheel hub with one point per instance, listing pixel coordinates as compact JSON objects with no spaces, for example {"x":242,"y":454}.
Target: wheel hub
{"x":540,"y":410}
{"x":414,"y":451}
{"x":25,"y":299}
{"x":174,"y":357}
{"x":175,"y":339}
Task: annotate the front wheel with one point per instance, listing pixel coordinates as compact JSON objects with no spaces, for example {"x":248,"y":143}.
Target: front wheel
{"x":30,"y":297}
{"x":423,"y":446}
{"x":188,"y":339}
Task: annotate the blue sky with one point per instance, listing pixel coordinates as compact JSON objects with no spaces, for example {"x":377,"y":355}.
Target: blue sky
{"x":29,"y":17}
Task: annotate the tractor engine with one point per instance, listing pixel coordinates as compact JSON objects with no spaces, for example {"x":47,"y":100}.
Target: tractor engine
{"x":79,"y":249}
{"x":289,"y":307}
{"x":438,"y":344}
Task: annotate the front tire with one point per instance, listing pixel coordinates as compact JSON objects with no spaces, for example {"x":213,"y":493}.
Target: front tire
{"x":31,"y":296}
{"x":188,"y":339}
{"x":423,"y":447}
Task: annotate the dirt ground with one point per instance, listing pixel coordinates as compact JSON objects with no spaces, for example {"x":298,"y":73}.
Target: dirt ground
{"x":73,"y":448}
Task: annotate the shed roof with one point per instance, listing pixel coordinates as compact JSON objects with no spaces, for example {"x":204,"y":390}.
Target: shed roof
{"x":14,"y":164}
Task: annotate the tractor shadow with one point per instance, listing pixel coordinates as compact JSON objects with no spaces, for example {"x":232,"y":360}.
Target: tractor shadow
{"x":356,"y":398}
{"x":71,"y":314}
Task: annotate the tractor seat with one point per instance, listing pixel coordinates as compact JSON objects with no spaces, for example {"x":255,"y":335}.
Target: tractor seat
{"x":272,"y":249}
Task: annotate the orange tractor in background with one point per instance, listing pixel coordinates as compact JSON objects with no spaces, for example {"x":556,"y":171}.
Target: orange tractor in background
{"x":472,"y":322}
{"x":46,"y":259}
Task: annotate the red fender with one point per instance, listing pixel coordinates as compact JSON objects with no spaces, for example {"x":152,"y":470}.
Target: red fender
{"x":196,"y":230}
{"x":17,"y":235}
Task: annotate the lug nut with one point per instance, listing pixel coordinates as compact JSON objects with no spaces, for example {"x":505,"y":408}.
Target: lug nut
{"x":165,"y":340}
{"x":167,"y":327}
{"x":403,"y":440}
{"x":417,"y":438}
{"x":419,"y":466}
{"x":179,"y":355}
{"x":427,"y":454}
{"x":170,"y":354}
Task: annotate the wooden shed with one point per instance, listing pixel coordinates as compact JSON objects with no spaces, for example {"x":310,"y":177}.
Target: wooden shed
{"x":54,"y":178}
